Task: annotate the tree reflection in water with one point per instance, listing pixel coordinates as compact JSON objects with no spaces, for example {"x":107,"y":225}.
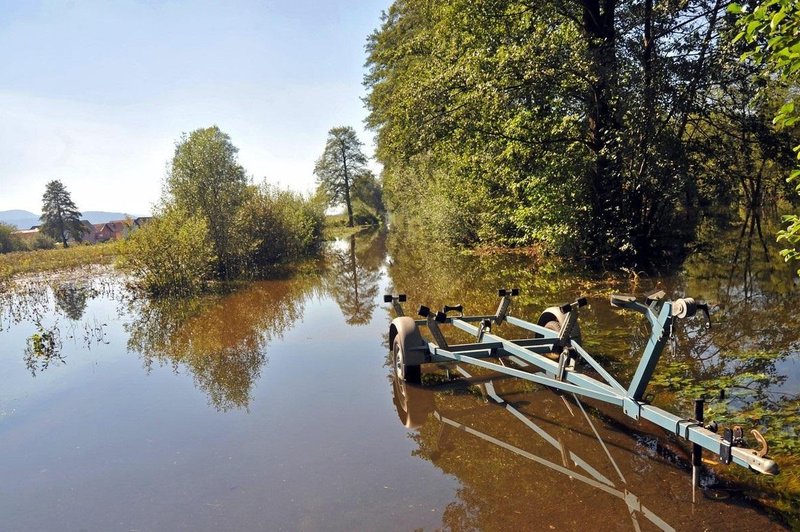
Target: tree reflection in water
{"x":353,"y":274}
{"x":220,"y":340}
{"x":39,"y":302}
{"x":71,"y":299}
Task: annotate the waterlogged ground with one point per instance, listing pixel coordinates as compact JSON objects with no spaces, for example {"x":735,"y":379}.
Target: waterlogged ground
{"x":271,"y":408}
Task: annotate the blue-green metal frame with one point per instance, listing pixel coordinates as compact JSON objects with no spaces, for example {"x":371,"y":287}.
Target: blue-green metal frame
{"x":609,"y":390}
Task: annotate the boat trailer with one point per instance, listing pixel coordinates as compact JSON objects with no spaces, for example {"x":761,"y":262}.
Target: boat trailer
{"x":557,"y":334}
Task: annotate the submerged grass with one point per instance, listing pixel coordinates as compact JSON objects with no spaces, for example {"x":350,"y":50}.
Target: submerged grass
{"x":22,"y":262}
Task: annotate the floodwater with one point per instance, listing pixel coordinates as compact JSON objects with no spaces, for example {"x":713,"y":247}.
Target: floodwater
{"x":272,"y":407}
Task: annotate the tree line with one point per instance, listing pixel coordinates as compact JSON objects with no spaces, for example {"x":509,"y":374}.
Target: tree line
{"x":600,"y":130}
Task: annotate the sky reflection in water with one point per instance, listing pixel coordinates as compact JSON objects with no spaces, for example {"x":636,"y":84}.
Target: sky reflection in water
{"x":272,"y":407}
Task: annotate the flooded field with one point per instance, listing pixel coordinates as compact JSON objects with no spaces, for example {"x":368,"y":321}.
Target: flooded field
{"x":272,"y":407}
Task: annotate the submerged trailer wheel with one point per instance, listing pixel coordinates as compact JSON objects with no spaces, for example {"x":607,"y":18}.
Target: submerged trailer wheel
{"x":552,"y":318}
{"x":408,"y":349}
{"x":402,"y":370}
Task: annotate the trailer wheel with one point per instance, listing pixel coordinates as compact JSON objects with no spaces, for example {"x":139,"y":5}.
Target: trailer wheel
{"x":404,"y":372}
{"x":552,"y":318}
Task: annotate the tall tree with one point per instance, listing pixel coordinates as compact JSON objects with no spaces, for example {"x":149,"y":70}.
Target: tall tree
{"x":339,"y":165}
{"x":60,"y":217}
{"x":206,"y":180}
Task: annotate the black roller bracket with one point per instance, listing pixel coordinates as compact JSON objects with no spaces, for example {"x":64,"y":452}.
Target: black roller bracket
{"x":515,"y":292}
{"x":501,"y":292}
{"x":453,"y":308}
{"x":567,"y":307}
{"x":401,"y":298}
{"x":441,"y":317}
{"x":423,"y":311}
{"x":725,"y":447}
{"x":387,"y":298}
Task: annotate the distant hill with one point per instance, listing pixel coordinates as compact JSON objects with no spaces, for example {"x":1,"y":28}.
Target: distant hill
{"x":27,"y":219}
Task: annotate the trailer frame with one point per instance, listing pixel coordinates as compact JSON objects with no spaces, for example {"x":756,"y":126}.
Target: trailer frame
{"x":557,"y":333}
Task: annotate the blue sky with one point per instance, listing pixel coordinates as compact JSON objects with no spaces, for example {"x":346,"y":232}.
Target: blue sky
{"x":96,"y":93}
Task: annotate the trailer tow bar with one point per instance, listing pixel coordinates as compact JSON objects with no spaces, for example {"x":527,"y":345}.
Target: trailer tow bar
{"x":557,"y":333}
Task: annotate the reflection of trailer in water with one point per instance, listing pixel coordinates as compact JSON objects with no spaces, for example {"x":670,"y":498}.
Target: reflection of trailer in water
{"x":414,"y":405}
{"x":557,"y":333}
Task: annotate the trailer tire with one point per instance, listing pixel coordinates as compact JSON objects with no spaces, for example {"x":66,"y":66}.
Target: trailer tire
{"x":401,"y":370}
{"x":552,"y":318}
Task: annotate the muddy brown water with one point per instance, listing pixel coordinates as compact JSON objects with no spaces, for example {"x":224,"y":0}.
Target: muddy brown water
{"x":272,"y":408}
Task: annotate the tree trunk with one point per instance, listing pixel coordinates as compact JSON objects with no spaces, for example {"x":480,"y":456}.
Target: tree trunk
{"x":62,"y":227}
{"x":604,"y":179}
{"x":347,"y":190}
{"x":636,"y":199}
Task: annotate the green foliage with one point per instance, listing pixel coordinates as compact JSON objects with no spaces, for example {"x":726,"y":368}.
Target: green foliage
{"x":206,"y":180}
{"x":556,"y":124}
{"x":341,"y":164}
{"x":172,"y":255}
{"x":368,"y":192}
{"x":214,"y":226}
{"x":364,"y":216}
{"x":8,"y":241}
{"x":279,"y":226}
{"x":772,"y":28}
{"x":60,"y":217}
{"x":42,"y":241}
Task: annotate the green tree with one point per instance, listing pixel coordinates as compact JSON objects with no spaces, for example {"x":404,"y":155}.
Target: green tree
{"x":340,"y":164}
{"x":8,"y":240}
{"x":60,"y":217}
{"x":367,"y":189}
{"x":172,"y":255}
{"x":278,"y":226}
{"x":772,"y":28}
{"x":205,"y":179}
{"x":562,"y":124}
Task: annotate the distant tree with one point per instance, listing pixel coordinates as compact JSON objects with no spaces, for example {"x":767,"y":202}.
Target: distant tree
{"x":340,"y":165}
{"x":60,"y":217}
{"x":206,"y":180}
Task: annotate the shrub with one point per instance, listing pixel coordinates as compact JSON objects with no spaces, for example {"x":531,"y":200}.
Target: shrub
{"x":277,"y":227}
{"x":42,"y":241}
{"x":8,"y":240}
{"x":171,"y":255}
